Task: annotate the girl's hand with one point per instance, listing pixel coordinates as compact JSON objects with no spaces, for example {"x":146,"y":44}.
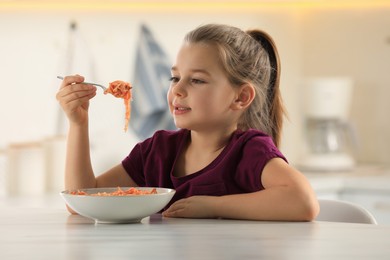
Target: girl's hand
{"x":74,"y":98}
{"x":193,"y":207}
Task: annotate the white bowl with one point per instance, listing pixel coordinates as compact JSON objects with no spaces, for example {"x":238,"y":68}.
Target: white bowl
{"x":118,"y":209}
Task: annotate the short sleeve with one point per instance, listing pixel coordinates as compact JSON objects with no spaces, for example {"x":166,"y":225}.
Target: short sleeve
{"x":133,"y":164}
{"x":257,"y":152}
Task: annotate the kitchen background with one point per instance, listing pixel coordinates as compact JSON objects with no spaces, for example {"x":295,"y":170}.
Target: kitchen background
{"x":326,"y":38}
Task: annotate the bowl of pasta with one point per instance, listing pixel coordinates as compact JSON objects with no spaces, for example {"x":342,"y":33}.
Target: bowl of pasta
{"x":118,"y":205}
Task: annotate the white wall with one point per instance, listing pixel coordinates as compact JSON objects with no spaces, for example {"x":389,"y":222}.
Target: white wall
{"x":33,"y":47}
{"x":312,"y":42}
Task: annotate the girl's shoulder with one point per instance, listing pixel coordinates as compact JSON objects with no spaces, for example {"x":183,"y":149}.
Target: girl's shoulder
{"x":256,"y":142}
{"x":253,"y":135}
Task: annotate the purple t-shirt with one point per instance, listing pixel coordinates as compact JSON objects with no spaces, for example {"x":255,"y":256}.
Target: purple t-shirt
{"x":237,"y":169}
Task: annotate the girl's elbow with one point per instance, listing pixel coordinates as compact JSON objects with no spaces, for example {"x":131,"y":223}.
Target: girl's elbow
{"x":310,"y":210}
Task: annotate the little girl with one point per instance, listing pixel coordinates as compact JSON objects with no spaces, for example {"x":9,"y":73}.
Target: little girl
{"x":223,"y":161}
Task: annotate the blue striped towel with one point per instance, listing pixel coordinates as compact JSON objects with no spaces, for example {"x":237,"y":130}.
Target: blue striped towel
{"x":150,"y":110}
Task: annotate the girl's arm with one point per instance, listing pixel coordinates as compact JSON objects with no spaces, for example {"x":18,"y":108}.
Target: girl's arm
{"x":78,"y":168}
{"x":74,"y":100}
{"x":287,"y":196}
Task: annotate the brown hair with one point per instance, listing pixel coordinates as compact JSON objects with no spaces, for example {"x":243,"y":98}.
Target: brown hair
{"x":249,"y":57}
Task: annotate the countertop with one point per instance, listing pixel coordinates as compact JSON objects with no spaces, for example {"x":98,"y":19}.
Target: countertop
{"x":52,"y":233}
{"x":363,"y":177}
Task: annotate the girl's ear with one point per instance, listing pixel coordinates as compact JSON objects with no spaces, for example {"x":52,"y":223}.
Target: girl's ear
{"x":245,"y":96}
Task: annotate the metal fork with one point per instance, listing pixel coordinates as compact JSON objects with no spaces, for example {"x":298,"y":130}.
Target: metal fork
{"x":88,"y":83}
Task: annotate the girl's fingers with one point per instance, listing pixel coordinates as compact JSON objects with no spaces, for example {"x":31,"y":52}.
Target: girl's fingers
{"x":73,"y":79}
{"x":70,"y":100}
{"x":74,"y":97}
{"x":175,"y":209}
{"x":75,"y":105}
{"x":75,"y":87}
{"x":78,"y":97}
{"x":75,"y":91}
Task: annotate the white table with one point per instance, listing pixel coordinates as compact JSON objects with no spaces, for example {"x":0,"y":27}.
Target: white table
{"x":51,"y":233}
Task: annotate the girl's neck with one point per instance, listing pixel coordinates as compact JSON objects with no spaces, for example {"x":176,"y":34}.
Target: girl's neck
{"x":202,"y":148}
{"x":210,"y":142}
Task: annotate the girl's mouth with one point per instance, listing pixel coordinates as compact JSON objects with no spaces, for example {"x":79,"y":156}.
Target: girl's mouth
{"x":181,"y":110}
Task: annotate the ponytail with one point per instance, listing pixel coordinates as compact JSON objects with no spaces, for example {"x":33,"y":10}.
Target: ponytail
{"x":273,"y":95}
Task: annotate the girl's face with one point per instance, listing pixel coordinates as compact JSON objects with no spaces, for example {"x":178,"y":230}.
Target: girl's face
{"x":200,"y":96}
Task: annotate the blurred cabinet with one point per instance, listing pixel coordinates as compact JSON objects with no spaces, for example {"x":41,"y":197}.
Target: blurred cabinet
{"x":368,"y":186}
{"x":377,"y":203}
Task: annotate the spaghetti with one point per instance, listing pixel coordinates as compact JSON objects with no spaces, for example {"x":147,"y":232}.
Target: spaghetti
{"x":122,"y":89}
{"x":119,"y":192}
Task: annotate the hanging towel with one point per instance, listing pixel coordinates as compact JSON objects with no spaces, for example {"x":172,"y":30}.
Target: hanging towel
{"x":150,"y":110}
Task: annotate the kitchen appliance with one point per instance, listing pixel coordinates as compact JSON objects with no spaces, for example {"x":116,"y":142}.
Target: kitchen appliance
{"x":328,"y":133}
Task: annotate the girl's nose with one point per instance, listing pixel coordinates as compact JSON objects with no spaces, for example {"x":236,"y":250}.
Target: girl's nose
{"x":178,"y":89}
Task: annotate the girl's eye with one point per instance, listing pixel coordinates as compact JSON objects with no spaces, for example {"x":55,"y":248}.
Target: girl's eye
{"x":174,"y":79}
{"x":197,"y":81}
